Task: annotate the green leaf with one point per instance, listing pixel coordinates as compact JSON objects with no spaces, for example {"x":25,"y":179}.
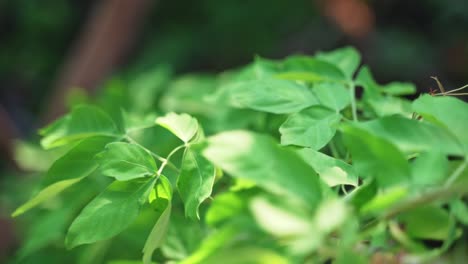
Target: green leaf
{"x":412,"y":136}
{"x":183,"y":126}
{"x":429,"y":169}
{"x":380,"y":104}
{"x":302,"y":64}
{"x":449,"y":111}
{"x":399,"y":89}
{"x":259,"y":158}
{"x":286,"y":223}
{"x":385,"y":199}
{"x":135,"y":121}
{"x":84,"y":121}
{"x":332,"y":171}
{"x":332,"y":95}
{"x":195,"y":181}
{"x":247,"y":254}
{"x":146,"y":86}
{"x":313,"y":127}
{"x":212,"y":244}
{"x":372,"y":88}
{"x":69,"y":169}
{"x":110,"y":212}
{"x":270,"y":95}
{"x":427,"y":222}
{"x":225,"y":206}
{"x":45,"y":194}
{"x":77,"y":162}
{"x":459,"y":208}
{"x":158,"y":233}
{"x":125,"y":161}
{"x":347,"y":59}
{"x":46,"y":229}
{"x":187,"y":95}
{"x":375,"y":157}
{"x":363,"y":194}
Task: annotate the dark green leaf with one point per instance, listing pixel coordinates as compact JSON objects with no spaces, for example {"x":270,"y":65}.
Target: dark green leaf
{"x":77,"y":162}
{"x":125,"y":161}
{"x":313,"y":127}
{"x":195,"y":181}
{"x":110,"y":212}
{"x":259,"y":158}
{"x":363,"y":194}
{"x":46,"y":194}
{"x":82,"y":122}
{"x":427,"y":222}
{"x":67,"y":170}
{"x":375,"y":157}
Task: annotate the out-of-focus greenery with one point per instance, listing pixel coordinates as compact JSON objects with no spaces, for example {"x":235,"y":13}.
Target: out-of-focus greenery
{"x":412,"y":40}
{"x":278,"y":162}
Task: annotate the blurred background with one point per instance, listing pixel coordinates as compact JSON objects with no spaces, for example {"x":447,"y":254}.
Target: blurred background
{"x":50,"y":47}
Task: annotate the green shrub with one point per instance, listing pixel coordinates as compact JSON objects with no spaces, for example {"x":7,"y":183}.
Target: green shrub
{"x":276,"y":162}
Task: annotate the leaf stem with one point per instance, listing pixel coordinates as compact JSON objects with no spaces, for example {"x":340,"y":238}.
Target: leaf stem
{"x":167,"y":159}
{"x":454,"y":176}
{"x":352,"y":93}
{"x":163,"y":160}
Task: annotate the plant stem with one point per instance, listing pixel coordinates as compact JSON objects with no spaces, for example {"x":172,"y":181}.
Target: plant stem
{"x":334,"y":150}
{"x":452,"y":178}
{"x":352,"y":93}
{"x":167,"y":159}
{"x":164,"y":161}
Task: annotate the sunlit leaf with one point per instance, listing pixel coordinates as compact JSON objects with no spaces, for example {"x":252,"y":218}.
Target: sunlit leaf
{"x":259,"y":158}
{"x":347,"y":59}
{"x":332,"y":171}
{"x":183,"y":126}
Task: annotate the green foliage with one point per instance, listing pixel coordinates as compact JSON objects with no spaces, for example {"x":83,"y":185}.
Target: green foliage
{"x":293,"y":168}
